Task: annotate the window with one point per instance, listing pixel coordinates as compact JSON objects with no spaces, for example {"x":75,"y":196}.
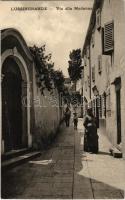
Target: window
{"x":104,"y":104}
{"x":94,"y":107}
{"x":108,"y":37}
{"x":108,"y":104}
{"x":87,"y":52}
{"x":93,"y":73}
{"x":99,"y":64}
{"x":93,"y":40}
{"x":98,"y":18}
{"x":86,"y":85}
{"x":85,"y":61}
{"x":100,"y":106}
{"x":88,"y":81}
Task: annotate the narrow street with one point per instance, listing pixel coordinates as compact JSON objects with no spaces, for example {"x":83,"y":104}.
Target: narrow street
{"x":65,"y":171}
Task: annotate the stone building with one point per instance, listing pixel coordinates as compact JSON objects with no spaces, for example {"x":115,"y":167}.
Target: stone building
{"x":104,"y":68}
{"x":28,"y":119}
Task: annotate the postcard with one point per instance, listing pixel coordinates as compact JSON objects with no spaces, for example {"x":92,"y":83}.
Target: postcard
{"x":62,"y":99}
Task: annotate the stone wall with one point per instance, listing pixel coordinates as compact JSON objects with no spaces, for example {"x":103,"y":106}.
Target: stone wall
{"x":41,"y":114}
{"x":47,"y":115}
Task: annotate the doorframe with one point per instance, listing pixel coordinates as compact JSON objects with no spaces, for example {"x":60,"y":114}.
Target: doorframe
{"x":24,"y":72}
{"x":117,"y":83}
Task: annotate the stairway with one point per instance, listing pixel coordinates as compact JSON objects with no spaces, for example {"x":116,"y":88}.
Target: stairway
{"x":115,"y":152}
{"x":16,"y":157}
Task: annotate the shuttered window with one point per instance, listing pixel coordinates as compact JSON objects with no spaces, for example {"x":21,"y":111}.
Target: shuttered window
{"x":86,"y":85}
{"x":98,"y":18}
{"x":100,"y":106}
{"x":93,"y":73}
{"x":94,"y":107}
{"x":104,"y":104}
{"x":87,"y":52}
{"x":99,"y":64}
{"x":108,"y":104}
{"x":93,"y":39}
{"x":85,"y":60}
{"x":109,"y":37}
{"x":88,"y":81}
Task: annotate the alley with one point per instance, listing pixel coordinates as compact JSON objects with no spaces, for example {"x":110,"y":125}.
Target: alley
{"x":65,"y":171}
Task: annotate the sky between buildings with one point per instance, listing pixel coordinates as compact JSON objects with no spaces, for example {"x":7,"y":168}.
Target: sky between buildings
{"x":61,"y":30}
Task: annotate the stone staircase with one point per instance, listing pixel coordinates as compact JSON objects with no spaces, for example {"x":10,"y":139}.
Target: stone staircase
{"x":16,"y":157}
{"x":115,"y":152}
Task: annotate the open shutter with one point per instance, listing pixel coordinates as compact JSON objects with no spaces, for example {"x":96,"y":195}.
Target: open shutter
{"x":93,"y":40}
{"x":104,"y":104}
{"x":93,"y":73}
{"x":98,"y":18}
{"x":100,"y":106}
{"x":85,"y":60}
{"x":109,"y":37}
{"x":88,"y":81}
{"x":99,"y":64}
{"x":88,"y":52}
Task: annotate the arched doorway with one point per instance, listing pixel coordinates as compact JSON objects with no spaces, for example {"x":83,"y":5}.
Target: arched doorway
{"x":12,"y":109}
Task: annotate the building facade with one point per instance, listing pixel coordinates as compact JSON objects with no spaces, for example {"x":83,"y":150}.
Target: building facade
{"x":28,"y":118}
{"x":104,"y":69}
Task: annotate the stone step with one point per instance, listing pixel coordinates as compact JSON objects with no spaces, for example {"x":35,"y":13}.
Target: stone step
{"x":14,"y":153}
{"x":115,"y":152}
{"x":13,"y":162}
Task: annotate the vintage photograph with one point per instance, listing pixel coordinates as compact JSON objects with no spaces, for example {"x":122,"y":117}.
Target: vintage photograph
{"x":62,"y":99}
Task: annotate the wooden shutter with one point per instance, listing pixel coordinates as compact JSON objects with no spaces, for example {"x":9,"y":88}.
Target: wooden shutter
{"x":109,"y":37}
{"x":88,"y":81}
{"x":93,"y":40}
{"x":85,"y":61}
{"x":86,"y":85}
{"x":88,"y":52}
{"x":100,"y":108}
{"x":93,"y":73}
{"x":93,"y":107}
{"x":104,"y":104}
{"x":99,"y":64}
{"x":98,"y":18}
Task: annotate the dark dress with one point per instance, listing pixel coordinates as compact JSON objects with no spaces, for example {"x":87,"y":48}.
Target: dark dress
{"x":90,"y":136}
{"x":67,"y":117}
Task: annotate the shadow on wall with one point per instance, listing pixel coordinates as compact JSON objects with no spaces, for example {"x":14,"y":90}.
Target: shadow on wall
{"x":44,"y":135}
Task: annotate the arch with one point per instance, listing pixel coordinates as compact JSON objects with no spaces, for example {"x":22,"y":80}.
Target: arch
{"x":16,"y":34}
{"x":13,"y":53}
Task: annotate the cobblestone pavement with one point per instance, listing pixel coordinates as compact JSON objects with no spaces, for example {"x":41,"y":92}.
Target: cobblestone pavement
{"x":66,"y":172}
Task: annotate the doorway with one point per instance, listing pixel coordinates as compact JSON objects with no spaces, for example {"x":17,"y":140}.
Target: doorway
{"x":11,"y":105}
{"x":118,"y":108}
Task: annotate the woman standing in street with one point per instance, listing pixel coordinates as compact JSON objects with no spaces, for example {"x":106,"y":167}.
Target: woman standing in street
{"x":67,"y":116}
{"x":90,"y":136}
